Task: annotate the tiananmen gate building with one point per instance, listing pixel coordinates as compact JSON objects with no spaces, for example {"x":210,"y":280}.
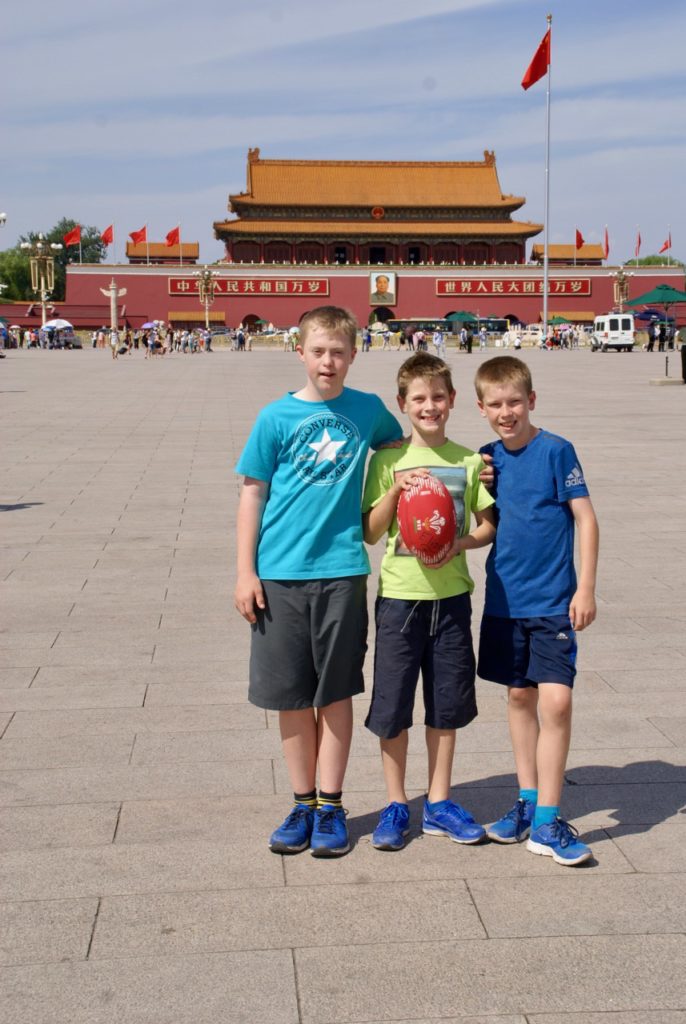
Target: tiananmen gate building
{"x":386,"y":239}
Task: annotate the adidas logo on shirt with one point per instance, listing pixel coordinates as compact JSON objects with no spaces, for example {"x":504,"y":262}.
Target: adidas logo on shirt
{"x":575,"y":478}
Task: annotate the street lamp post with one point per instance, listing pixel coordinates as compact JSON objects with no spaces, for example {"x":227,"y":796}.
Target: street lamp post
{"x":621,"y":288}
{"x":207,"y":286}
{"x":42,"y":260}
{"x":3,"y":220}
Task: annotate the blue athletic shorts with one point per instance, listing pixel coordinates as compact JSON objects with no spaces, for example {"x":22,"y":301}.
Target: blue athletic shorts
{"x":526,"y":652}
{"x":431,"y":637}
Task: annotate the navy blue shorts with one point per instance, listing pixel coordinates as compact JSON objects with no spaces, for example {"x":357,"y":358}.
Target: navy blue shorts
{"x":526,"y":652}
{"x":431,"y":637}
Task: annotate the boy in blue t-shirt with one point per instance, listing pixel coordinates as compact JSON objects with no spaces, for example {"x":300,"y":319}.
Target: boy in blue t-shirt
{"x":302,"y":572}
{"x":534,"y":605}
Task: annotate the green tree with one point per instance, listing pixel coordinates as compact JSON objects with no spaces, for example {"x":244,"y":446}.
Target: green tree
{"x":15,"y":274}
{"x":93,"y":250}
{"x":655,"y":261}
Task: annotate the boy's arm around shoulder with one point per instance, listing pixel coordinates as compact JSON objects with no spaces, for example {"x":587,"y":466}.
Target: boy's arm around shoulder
{"x":582,"y":608}
{"x":248,"y":593}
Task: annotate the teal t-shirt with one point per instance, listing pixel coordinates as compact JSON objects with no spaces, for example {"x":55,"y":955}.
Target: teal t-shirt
{"x":403,"y":575}
{"x":313,"y":455}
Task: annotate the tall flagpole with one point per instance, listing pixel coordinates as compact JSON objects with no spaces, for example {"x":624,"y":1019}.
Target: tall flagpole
{"x":147,"y":246}
{"x":546,"y":209}
{"x":180,"y":249}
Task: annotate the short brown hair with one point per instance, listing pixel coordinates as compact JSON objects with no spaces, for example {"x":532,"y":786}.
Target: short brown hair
{"x":422,"y":364}
{"x":331,"y":318}
{"x":503,"y":370}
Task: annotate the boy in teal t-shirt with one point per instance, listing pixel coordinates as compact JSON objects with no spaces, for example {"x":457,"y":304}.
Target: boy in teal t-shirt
{"x":423,"y":613}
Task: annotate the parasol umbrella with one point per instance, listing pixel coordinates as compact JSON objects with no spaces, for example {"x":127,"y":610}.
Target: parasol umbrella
{"x":558,"y":321}
{"x":149,"y":325}
{"x":15,"y":327}
{"x":463,"y":315}
{"x":660,"y":295}
{"x":58,"y":324}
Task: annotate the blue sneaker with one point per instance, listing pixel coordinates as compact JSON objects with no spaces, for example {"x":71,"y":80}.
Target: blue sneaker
{"x":514,"y":826}
{"x":293,"y":836}
{"x":558,"y":839}
{"x":449,"y":819}
{"x":393,"y":826}
{"x":329,"y":833}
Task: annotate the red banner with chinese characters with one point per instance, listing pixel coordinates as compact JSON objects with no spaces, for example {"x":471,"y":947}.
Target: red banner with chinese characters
{"x":253,"y":286}
{"x":514,"y":286}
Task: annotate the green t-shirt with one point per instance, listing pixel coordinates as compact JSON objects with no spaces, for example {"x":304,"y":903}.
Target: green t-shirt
{"x":403,"y":575}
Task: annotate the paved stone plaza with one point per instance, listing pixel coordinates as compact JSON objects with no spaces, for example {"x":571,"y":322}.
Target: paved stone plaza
{"x":138,"y":786}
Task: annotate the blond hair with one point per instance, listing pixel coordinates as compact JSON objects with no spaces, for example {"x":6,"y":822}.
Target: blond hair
{"x":424,"y":365}
{"x":332,"y":318}
{"x":503,"y":370}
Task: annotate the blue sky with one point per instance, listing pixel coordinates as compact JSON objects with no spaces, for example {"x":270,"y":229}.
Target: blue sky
{"x":142,"y":111}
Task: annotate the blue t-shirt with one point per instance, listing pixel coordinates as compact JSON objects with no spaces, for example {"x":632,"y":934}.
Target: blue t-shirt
{"x":530,"y":568}
{"x":313,"y":455}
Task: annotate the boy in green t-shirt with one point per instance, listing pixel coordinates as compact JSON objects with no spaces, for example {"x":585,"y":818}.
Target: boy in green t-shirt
{"x":423,"y":613}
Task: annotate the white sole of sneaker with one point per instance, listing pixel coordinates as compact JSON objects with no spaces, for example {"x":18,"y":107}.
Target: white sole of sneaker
{"x":545,"y":851}
{"x":514,"y":839}
{"x":447,"y":835}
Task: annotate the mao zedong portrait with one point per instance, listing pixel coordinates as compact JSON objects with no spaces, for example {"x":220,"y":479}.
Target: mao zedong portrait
{"x":383,"y":289}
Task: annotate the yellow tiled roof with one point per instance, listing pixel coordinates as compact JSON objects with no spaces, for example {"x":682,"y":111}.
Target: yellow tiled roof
{"x":343,"y":228}
{"x":568,"y":252}
{"x":576,"y":317}
{"x":373,"y":183}
{"x":190,"y":249}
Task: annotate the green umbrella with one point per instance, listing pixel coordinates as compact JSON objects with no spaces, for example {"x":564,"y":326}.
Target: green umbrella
{"x":557,"y":321}
{"x":661,"y":295}
{"x":463,"y":315}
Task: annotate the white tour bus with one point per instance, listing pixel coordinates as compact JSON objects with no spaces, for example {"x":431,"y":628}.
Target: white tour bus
{"x":613,"y":332}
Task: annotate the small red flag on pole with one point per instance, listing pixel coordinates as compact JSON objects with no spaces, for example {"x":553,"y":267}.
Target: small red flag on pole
{"x":108,"y":235}
{"x":579,"y":239}
{"x":539,"y":64}
{"x":638,"y":245}
{"x":667,"y":244}
{"x":606,"y":245}
{"x":73,"y":237}
{"x":138,"y":237}
{"x":173,"y":236}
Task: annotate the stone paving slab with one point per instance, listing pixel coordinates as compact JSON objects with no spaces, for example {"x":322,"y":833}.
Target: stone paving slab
{"x":119,"y":642}
{"x":135,"y":719}
{"x":239,"y":987}
{"x":594,"y":972}
{"x":47,"y":931}
{"x":284,"y":918}
{"x":43,"y":825}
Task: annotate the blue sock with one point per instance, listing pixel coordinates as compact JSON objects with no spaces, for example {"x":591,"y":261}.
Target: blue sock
{"x":436,"y":805}
{"x":544,"y":815}
{"x":529,"y":794}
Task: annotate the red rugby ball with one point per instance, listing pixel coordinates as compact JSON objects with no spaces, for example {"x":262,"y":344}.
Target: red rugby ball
{"x":427,"y":520}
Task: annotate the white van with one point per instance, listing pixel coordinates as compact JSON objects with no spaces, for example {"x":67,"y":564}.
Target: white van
{"x":613,"y":332}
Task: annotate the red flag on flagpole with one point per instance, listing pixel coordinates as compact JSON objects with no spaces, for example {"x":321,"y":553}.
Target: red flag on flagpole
{"x":73,"y":237}
{"x":173,"y":236}
{"x":667,"y":244}
{"x":638,"y":245}
{"x":108,"y":235}
{"x":138,"y":237}
{"x":606,"y":245}
{"x":539,"y":64}
{"x":579,"y":239}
